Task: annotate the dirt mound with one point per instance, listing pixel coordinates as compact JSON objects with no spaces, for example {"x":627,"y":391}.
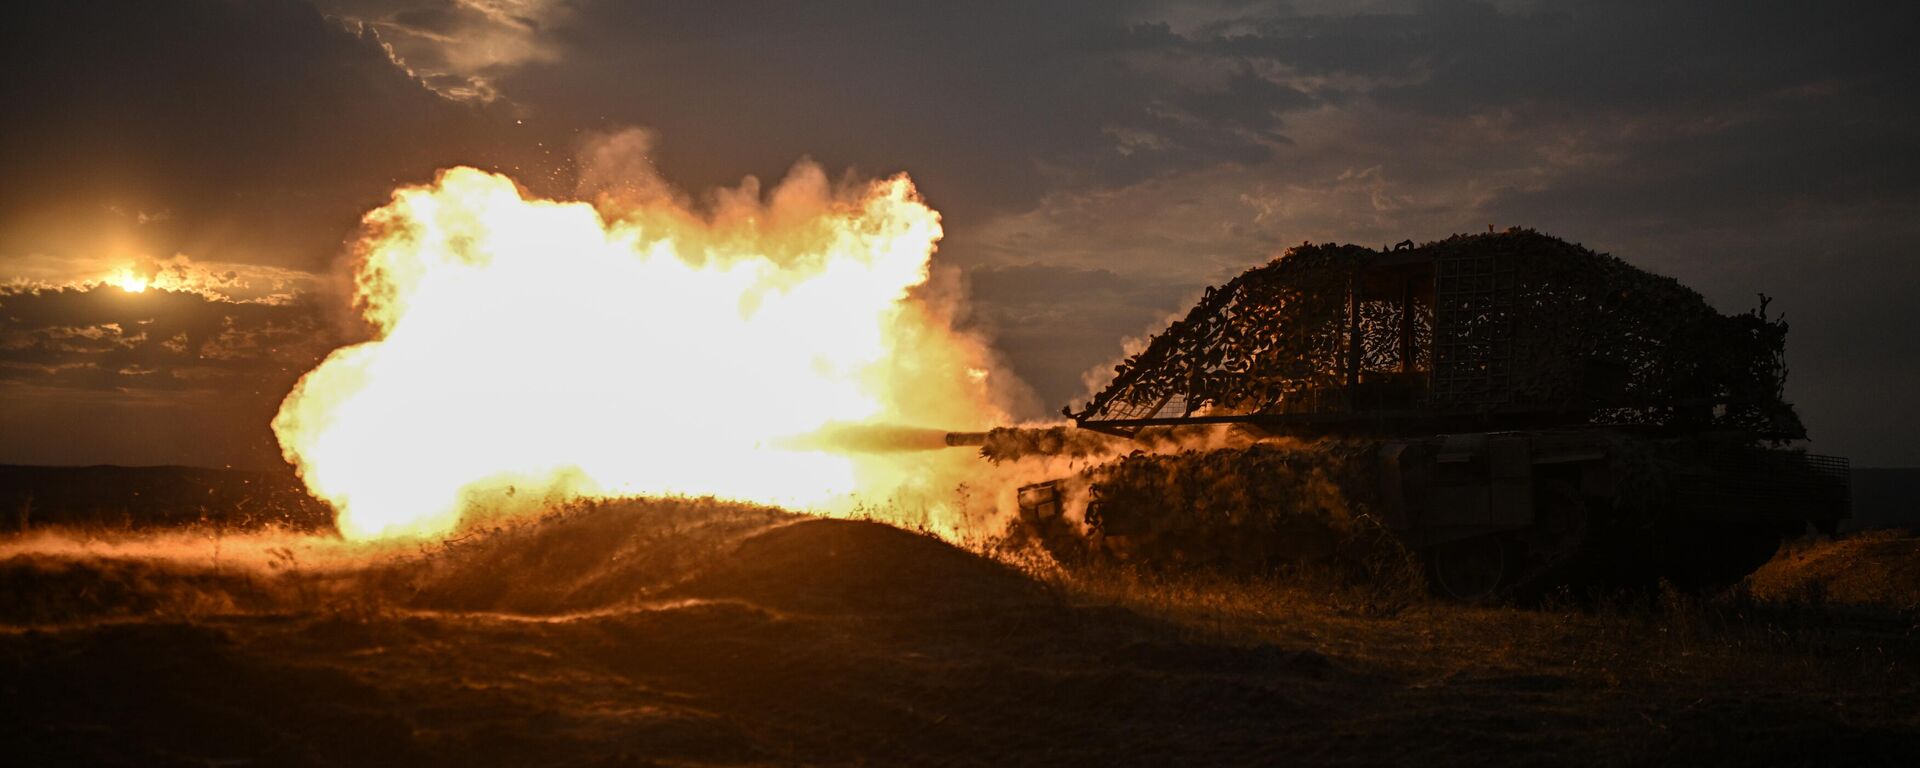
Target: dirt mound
{"x":611,"y":554}
{"x":585,"y":556}
{"x":687,"y":632}
{"x":1878,"y":568}
{"x":857,"y":566}
{"x":46,"y":590}
{"x":581,"y":557}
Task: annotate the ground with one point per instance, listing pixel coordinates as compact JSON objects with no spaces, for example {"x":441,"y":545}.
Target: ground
{"x":688,"y":632}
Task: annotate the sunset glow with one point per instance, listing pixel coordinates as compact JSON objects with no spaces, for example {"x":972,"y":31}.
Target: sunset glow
{"x":127,"y":280}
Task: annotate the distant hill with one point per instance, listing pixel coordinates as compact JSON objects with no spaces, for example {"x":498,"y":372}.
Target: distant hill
{"x":111,"y":496}
{"x":1886,"y":498}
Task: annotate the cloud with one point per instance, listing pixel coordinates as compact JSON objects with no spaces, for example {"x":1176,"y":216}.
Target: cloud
{"x":158,"y":342}
{"x":1096,"y":162}
{"x":1741,"y":148}
{"x":457,"y":47}
{"x":215,"y":280}
{"x":989,"y":105}
{"x":254,"y":131}
{"x":97,"y":374}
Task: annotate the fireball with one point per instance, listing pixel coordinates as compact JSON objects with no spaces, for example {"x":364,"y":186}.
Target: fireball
{"x":525,"y":348}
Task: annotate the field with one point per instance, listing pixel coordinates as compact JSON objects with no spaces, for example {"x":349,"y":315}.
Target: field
{"x":690,"y":632}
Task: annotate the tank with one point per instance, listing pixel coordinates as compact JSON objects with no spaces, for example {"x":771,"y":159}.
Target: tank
{"x":1518,"y":411}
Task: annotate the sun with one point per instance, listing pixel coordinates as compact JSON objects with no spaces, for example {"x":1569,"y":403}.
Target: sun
{"x":127,"y":280}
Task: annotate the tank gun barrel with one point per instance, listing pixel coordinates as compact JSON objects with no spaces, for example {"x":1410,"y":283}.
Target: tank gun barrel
{"x":1009,"y":443}
{"x":966,"y":439}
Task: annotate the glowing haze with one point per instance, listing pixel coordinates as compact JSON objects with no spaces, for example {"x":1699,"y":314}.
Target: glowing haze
{"x":635,"y":345}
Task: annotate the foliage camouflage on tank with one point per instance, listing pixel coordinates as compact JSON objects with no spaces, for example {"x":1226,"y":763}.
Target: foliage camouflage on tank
{"x":1515,"y":324}
{"x":1515,"y":409}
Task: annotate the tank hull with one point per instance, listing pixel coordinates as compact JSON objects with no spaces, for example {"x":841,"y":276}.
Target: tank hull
{"x":1547,"y":508}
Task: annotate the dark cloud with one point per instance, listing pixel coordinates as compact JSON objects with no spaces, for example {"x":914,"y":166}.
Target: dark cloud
{"x":1743,"y":147}
{"x":253,"y":130}
{"x":990,"y":105}
{"x":251,"y":133}
{"x":456,"y":47}
{"x":158,"y":341}
{"x":1096,"y":161}
{"x":98,"y":374}
{"x":438,"y":19}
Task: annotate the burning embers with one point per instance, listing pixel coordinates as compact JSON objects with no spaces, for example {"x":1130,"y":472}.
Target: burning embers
{"x":525,"y":348}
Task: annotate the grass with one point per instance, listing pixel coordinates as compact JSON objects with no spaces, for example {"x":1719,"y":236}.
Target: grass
{"x":798,"y":632}
{"x":1841,"y":614}
{"x":1757,"y":633}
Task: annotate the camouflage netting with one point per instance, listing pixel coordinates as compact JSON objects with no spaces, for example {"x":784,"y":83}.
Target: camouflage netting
{"x":1014,"y":443}
{"x":1510,"y":322}
{"x":1261,"y":503}
{"x":1266,"y":338}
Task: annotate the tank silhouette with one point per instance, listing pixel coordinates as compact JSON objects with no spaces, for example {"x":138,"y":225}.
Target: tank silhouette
{"x":1517,"y":410}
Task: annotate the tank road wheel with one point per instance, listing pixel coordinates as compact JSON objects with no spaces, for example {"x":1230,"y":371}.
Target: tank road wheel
{"x":1474,"y":569}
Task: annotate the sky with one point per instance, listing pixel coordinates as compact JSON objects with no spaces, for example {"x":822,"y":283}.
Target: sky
{"x":1097,"y":165}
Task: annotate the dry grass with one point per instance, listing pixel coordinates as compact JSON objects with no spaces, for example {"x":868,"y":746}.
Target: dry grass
{"x":1874,"y":569}
{"x":1789,"y":633}
{"x":579,"y":556}
{"x":695,"y":632}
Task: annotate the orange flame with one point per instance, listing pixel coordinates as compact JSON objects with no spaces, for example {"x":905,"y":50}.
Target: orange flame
{"x":534,"y":347}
